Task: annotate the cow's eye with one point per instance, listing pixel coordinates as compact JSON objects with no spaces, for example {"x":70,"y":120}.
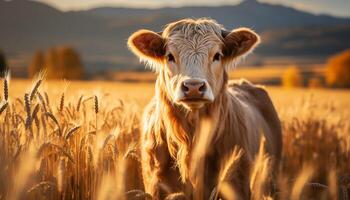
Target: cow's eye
{"x":217,"y":57}
{"x":170,"y":57}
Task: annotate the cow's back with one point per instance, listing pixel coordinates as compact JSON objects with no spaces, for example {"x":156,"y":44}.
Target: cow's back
{"x":258,"y":97}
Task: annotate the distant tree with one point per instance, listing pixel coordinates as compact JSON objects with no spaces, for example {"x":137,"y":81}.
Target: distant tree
{"x":37,"y":63}
{"x":63,"y":62}
{"x":292,"y":77}
{"x":3,"y":64}
{"x":53,"y":69}
{"x":58,"y":62}
{"x":70,"y":63}
{"x":338,"y":70}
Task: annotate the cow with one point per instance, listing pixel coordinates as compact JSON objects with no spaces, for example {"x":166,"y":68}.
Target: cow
{"x":192,"y":58}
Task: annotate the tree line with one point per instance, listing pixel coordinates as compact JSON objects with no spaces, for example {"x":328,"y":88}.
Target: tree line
{"x":58,"y":63}
{"x":61,"y":62}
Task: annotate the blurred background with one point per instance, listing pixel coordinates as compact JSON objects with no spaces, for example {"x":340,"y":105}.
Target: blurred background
{"x":304,"y":43}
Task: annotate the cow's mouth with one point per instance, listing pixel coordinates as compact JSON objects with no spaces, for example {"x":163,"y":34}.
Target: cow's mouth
{"x":195,"y":100}
{"x":194,"y":103}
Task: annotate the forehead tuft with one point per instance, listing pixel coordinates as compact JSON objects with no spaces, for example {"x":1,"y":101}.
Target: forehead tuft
{"x":189,"y":28}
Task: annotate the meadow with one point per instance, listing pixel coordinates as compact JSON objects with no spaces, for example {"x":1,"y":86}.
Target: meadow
{"x":79,"y":140}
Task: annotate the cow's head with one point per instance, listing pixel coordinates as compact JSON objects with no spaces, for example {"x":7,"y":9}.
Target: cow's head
{"x":192,"y":57}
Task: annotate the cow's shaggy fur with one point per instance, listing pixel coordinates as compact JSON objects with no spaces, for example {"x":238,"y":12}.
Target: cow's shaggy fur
{"x":238,"y":116}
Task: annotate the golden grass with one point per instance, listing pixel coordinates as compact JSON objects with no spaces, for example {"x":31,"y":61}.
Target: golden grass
{"x":81,"y":142}
{"x":255,"y":74}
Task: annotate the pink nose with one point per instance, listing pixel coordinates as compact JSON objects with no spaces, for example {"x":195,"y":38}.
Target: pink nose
{"x":193,"y":88}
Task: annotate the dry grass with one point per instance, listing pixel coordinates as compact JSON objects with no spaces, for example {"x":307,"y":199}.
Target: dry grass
{"x":261,"y":74}
{"x":59,"y":143}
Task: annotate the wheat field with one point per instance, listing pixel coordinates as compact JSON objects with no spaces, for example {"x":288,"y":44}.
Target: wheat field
{"x":79,"y":140}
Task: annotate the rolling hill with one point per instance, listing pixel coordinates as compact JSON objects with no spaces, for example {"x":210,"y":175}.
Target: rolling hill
{"x":251,"y":13}
{"x":100,"y":34}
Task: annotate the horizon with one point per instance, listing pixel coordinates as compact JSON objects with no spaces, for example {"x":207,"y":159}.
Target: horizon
{"x":338,"y":8}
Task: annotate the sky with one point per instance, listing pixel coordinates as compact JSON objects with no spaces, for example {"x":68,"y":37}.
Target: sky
{"x":333,"y":7}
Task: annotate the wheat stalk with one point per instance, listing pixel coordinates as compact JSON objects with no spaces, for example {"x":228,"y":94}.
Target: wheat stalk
{"x":28,"y":110}
{"x":35,"y":89}
{"x":90,"y":154}
{"x":71,"y":132}
{"x":96,"y":107}
{"x":260,"y":172}
{"x":42,"y":101}
{"x":79,"y":102}
{"x":51,"y":116}
{"x":301,"y":181}
{"x":61,"y":102}
{"x":6,"y":85}
{"x":47,"y":98}
{"x":3,"y":107}
{"x":35,"y":111}
{"x":109,"y":137}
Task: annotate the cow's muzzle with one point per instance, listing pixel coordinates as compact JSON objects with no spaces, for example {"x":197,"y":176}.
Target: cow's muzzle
{"x":195,"y":90}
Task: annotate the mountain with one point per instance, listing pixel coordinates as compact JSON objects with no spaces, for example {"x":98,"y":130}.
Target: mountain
{"x":306,"y":41}
{"x":260,"y":16}
{"x":100,"y":34}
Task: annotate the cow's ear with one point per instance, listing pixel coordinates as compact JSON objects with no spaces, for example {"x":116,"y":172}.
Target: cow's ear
{"x":239,"y":42}
{"x":147,"y":45}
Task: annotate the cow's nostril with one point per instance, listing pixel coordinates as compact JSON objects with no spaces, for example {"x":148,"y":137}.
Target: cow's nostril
{"x":184,"y":88}
{"x":202,"y":88}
